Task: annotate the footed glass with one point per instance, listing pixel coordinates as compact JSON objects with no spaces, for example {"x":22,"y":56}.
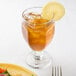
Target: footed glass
{"x":38,"y":33}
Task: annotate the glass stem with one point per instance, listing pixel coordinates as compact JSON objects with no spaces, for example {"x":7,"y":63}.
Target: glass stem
{"x":38,"y":55}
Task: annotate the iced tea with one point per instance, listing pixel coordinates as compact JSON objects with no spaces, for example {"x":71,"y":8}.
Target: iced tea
{"x":38,"y":32}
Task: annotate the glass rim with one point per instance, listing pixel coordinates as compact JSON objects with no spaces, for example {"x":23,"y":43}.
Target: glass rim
{"x":23,"y":15}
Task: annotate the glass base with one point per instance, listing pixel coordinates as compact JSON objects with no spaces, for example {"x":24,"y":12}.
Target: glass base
{"x":38,"y":60}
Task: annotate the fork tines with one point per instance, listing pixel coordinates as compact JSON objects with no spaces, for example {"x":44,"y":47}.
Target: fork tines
{"x":56,"y":71}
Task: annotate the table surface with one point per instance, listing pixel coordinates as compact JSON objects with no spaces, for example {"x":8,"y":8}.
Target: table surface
{"x":13,"y":48}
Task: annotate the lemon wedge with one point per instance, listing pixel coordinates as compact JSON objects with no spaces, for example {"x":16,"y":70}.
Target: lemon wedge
{"x":53,"y":11}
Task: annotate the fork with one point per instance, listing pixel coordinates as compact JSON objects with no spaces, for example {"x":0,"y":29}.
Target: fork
{"x":56,"y":71}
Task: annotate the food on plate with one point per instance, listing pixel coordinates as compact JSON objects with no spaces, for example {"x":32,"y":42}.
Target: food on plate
{"x":14,"y":70}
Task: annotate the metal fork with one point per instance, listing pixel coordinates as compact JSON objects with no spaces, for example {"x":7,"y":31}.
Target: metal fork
{"x":56,"y":71}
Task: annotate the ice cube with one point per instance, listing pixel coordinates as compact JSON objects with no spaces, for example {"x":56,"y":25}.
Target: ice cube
{"x":31,"y":15}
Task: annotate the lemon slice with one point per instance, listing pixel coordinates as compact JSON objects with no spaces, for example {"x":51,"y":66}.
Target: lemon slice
{"x":53,"y":10}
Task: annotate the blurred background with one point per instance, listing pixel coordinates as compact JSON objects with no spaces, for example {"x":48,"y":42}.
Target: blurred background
{"x":13,"y":47}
